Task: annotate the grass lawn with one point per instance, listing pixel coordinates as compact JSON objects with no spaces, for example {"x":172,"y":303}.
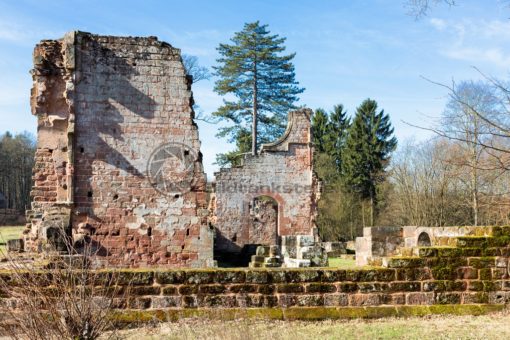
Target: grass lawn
{"x":338,"y":262}
{"x":9,"y":233}
{"x":493,"y":326}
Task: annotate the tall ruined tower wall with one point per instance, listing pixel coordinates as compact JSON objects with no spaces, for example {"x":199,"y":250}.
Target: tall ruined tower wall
{"x":118,"y":160}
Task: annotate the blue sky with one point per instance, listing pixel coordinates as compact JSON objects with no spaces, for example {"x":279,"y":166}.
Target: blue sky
{"x":346,"y":50}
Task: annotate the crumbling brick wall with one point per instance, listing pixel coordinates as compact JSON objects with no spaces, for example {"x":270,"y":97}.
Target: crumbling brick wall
{"x":282,"y":171}
{"x":118,"y":157}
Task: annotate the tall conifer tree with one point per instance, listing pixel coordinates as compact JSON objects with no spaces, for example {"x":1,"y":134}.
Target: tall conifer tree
{"x":368,"y":146}
{"x":263,"y":83}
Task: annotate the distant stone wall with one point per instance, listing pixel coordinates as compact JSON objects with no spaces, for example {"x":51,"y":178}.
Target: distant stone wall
{"x":118,"y":156}
{"x":380,"y":242}
{"x":282,"y":171}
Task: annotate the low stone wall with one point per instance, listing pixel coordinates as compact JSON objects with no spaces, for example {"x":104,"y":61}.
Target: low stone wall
{"x":472,"y":277}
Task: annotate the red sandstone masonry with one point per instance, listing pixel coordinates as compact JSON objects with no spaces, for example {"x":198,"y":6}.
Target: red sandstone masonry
{"x":104,"y":104}
{"x":283,"y":171}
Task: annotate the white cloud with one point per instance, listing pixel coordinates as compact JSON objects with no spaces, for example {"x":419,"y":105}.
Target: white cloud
{"x":476,"y":41}
{"x":438,"y":24}
{"x":23,"y":35}
{"x":494,"y":56}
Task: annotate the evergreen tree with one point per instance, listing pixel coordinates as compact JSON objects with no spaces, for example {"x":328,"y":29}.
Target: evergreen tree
{"x":262,"y":81}
{"x":367,"y":150}
{"x":339,"y":125}
{"x":321,"y":131}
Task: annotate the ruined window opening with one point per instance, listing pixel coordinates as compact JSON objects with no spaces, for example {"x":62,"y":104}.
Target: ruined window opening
{"x":82,"y":150}
{"x":187,"y":232}
{"x":64,"y":186}
{"x":186,"y":152}
{"x":50,"y":150}
{"x":234,"y":238}
{"x":182,"y":247}
{"x":89,"y":194}
{"x":176,"y":196}
{"x":64,"y":149}
{"x":424,"y":240}
{"x":149,"y":231}
{"x":264,"y":221}
{"x":115,"y":197}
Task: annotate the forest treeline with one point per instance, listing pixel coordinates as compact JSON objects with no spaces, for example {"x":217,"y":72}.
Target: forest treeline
{"x":458,"y":177}
{"x":16,"y":162}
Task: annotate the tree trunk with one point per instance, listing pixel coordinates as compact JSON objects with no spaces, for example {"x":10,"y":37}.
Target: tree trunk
{"x":363,"y":213}
{"x":255,"y":104}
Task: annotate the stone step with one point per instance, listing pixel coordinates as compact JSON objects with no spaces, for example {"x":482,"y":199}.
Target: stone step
{"x":257,"y":258}
{"x":403,"y":262}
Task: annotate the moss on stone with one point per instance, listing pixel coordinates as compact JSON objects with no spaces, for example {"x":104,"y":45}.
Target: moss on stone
{"x":290,"y":288}
{"x":300,"y":313}
{"x":347,"y":287}
{"x":368,"y":275}
{"x":211,"y":289}
{"x":428,"y":251}
{"x":412,"y":274}
{"x":296,"y":275}
{"x":472,"y":241}
{"x":482,"y":262}
{"x":408,"y":286}
{"x":133,"y":277}
{"x":243,"y":288}
{"x":406,"y":262}
{"x":170,"y":276}
{"x":320,"y":288}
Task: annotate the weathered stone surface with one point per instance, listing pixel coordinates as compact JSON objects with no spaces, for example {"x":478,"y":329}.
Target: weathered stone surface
{"x":281,"y":174}
{"x":107,"y":107}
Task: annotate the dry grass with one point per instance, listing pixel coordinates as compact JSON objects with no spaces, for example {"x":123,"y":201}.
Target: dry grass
{"x":66,"y":299}
{"x":493,"y":326}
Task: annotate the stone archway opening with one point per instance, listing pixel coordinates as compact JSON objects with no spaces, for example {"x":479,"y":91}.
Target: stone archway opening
{"x":424,"y":240}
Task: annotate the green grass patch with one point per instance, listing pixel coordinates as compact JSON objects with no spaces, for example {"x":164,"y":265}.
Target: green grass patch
{"x":9,"y":233}
{"x":338,"y":262}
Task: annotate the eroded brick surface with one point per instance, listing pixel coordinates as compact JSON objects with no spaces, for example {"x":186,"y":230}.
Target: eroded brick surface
{"x":104,"y":105}
{"x":283,"y":172}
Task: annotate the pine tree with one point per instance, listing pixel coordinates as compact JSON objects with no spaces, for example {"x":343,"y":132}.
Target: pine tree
{"x":262,"y":80}
{"x":339,"y":125}
{"x":321,"y":131}
{"x":367,"y":150}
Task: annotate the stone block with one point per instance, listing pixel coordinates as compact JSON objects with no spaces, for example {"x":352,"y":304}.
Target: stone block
{"x":16,"y":245}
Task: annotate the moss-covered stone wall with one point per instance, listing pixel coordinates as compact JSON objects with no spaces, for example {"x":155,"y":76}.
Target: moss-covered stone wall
{"x":475,"y":273}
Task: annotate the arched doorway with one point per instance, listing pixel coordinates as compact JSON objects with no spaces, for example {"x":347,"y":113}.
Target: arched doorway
{"x":424,"y":240}
{"x":264,"y":221}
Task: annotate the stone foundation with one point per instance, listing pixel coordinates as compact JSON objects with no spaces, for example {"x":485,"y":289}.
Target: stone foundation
{"x":468,"y":278}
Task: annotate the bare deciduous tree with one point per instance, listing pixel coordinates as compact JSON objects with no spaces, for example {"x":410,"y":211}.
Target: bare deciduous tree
{"x":66,"y":299}
{"x":420,"y":8}
{"x":193,"y":68}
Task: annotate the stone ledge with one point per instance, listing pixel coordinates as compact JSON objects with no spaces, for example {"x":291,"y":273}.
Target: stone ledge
{"x":302,"y":313}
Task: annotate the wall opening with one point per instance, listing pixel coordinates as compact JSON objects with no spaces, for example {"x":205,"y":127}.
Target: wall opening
{"x":264,"y":221}
{"x":424,"y":240}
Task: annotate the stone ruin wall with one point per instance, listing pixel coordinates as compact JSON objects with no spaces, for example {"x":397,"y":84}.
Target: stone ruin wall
{"x":379,"y":243}
{"x":104,"y":104}
{"x":282,"y":171}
